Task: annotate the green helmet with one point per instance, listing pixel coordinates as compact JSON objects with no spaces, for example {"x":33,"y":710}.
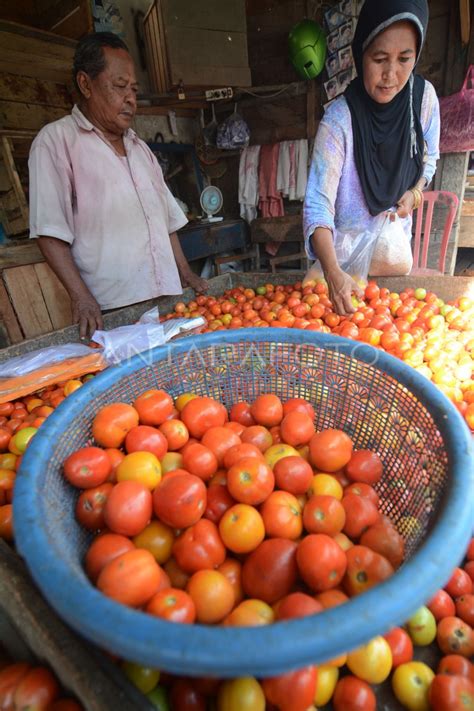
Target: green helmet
{"x":307,"y":48}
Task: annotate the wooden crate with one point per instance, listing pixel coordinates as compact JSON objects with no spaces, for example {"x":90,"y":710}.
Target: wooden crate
{"x":202,"y":44}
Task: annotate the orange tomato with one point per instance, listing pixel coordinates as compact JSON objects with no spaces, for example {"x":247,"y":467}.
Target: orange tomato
{"x":242,"y":528}
{"x":212,"y":594}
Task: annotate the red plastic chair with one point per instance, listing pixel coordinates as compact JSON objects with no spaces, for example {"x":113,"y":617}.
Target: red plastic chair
{"x":423,"y":230}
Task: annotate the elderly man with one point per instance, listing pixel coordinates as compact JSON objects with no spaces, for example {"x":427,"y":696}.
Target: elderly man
{"x":103,"y":216}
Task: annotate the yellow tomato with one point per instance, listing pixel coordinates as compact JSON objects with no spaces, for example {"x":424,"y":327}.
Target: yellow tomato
{"x":140,"y":466}
{"x":327,"y":680}
{"x":171,"y":461}
{"x":278,"y":451}
{"x":21,"y":439}
{"x":411,"y":683}
{"x":250,"y":613}
{"x":158,"y":538}
{"x":144,"y":678}
{"x":71,"y":386}
{"x":343,"y":541}
{"x":372,"y":662}
{"x":181,"y":400}
{"x":325,"y":485}
{"x":34,"y":402}
{"x":8,"y":460}
{"x":422,"y":627}
{"x":244,"y":694}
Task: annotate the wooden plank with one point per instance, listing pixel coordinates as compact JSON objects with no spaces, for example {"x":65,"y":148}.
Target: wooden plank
{"x":35,"y":42}
{"x":206,"y":48}
{"x":55,"y":296}
{"x":32,"y":116}
{"x":14,"y":177}
{"x":210,"y":75}
{"x":8,"y":317}
{"x":20,"y":254}
{"x":27,"y":299}
{"x":466,"y":232}
{"x":211,"y":14}
{"x":34,"y":91}
{"x":24,"y":68}
{"x":465,"y":13}
{"x":68,"y":18}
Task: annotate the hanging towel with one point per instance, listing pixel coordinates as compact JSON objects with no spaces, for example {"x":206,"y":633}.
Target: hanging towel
{"x":283,"y":175}
{"x":301,"y":168}
{"x":293,"y":159}
{"x":270,"y":200}
{"x":248,"y":182}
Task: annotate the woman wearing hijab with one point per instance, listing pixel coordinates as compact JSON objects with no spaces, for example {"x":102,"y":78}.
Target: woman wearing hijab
{"x":377,"y":145}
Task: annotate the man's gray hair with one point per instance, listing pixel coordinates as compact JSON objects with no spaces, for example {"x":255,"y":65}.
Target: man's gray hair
{"x":89,"y":54}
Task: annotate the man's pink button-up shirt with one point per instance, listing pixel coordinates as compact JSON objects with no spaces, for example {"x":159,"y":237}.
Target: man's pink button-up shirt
{"x":116,"y":212}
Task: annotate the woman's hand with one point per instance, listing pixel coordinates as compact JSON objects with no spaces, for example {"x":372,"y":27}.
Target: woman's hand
{"x":404,"y":205}
{"x":341,"y":286}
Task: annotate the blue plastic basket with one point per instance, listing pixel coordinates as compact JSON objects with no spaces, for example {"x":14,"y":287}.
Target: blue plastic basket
{"x":380,"y":402}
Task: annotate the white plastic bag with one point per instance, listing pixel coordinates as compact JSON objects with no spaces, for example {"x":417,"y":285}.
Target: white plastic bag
{"x":354,"y":252}
{"x":126,"y":341}
{"x":27,"y":363}
{"x":392,"y":255}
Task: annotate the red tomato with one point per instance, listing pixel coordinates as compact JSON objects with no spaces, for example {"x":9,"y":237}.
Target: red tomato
{"x":240,"y":412}
{"x":259,"y":436}
{"x":218,"y":501}
{"x":353,"y":694}
{"x":384,"y":538}
{"x":455,"y":637}
{"x":10,"y":677}
{"x":87,"y":467}
{"x":200,"y":413}
{"x":323,"y":514}
{"x":298,"y":404}
{"x":112,"y":422}
{"x":465,"y":608}
{"x":128,"y":508}
{"x":365,"y":490}
{"x":459,"y":583}
{"x":199,"y":547}
{"x":360,"y":515}
{"x":456,"y":665}
{"x":154,"y":407}
{"x":294,"y":691}
{"x":90,"y":506}
{"x":281,"y":514}
{"x":267,"y":410}
{"x":365,"y":568}
{"x":241,"y":451}
{"x":173,"y":605}
{"x":250,"y":481}
{"x":365,"y":466}
{"x":401,"y":646}
{"x":297,"y":428}
{"x":468,"y":568}
{"x":181,"y":498}
{"x":442,"y":605}
{"x":451,"y":693}
{"x":330,"y":450}
{"x":293,"y":474}
{"x":144,"y":438}
{"x":102,"y":550}
{"x":36,"y":690}
{"x":297,"y":604}
{"x":185,"y":697}
{"x":470,"y":550}
{"x":6,"y":522}
{"x":200,"y":460}
{"x":219,"y":440}
{"x":131,"y":578}
{"x":321,"y":562}
{"x":269,"y":573}
{"x":65,"y":705}
{"x":176,"y":433}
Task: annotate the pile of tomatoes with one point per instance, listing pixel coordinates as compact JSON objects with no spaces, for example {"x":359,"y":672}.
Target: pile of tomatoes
{"x":19,"y":422}
{"x":33,"y":688}
{"x":434,"y":337}
{"x":247,"y":518}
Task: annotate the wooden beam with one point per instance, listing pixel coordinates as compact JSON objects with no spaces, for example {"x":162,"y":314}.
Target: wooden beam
{"x":465,"y":12}
{"x":7,"y":315}
{"x":30,"y":90}
{"x":21,"y":254}
{"x":55,"y":296}
{"x":25,"y":293}
{"x":14,"y":114}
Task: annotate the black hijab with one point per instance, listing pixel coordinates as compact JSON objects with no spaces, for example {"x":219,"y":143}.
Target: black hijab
{"x":388,"y":138}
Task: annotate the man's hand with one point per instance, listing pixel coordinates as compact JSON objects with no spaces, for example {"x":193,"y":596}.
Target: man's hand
{"x":189,"y":278}
{"x":86,"y":312}
{"x":341,"y":286}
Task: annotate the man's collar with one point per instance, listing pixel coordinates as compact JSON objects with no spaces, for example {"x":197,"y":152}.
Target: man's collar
{"x":86,"y":125}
